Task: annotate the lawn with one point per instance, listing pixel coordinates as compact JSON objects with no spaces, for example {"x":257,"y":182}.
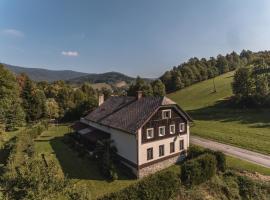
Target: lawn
{"x":216,"y":119}
{"x":235,"y":163}
{"x":83,"y":171}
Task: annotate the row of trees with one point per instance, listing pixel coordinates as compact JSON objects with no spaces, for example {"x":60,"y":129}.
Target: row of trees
{"x":196,"y":70}
{"x":155,"y":88}
{"x":22,"y":100}
{"x":251,"y":86}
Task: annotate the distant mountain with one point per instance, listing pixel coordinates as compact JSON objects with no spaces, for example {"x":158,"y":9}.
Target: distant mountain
{"x":109,"y":78}
{"x":73,"y":77}
{"x":38,"y":74}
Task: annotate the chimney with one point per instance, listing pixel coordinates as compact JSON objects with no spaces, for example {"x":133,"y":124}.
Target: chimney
{"x":100,"y":99}
{"x":139,"y":94}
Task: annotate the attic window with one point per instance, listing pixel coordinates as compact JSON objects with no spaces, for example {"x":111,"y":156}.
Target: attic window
{"x":166,"y":114}
{"x":149,"y":133}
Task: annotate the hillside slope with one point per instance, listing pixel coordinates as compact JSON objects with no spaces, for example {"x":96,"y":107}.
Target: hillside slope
{"x":214,"y":118}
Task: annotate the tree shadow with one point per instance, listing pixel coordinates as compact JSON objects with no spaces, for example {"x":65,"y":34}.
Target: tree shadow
{"x":225,"y":111}
{"x":75,"y":166}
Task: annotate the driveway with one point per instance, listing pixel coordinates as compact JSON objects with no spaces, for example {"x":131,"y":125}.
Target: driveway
{"x":244,"y":154}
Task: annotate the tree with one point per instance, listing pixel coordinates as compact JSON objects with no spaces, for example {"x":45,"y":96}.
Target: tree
{"x":33,"y":101}
{"x":222,"y":64}
{"x":140,"y":85}
{"x":52,"y":108}
{"x":158,"y":88}
{"x":11,"y":113}
{"x":242,"y":83}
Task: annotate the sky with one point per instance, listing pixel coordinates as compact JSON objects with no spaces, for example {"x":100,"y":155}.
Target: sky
{"x":138,"y":37}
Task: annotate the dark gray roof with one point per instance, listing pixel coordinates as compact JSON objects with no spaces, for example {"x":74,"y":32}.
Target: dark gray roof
{"x":128,"y":113}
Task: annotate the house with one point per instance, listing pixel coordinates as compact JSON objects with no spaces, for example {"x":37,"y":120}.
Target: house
{"x":150,"y":133}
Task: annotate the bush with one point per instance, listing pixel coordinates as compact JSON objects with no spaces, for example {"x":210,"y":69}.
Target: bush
{"x":162,"y":186}
{"x":195,"y":151}
{"x":198,"y":170}
{"x":221,"y":161}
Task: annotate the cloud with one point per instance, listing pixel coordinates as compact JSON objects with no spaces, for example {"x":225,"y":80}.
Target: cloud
{"x":70,"y":53}
{"x":13,"y":32}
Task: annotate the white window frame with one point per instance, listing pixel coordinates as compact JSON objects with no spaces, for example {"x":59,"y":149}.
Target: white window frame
{"x":182,"y":129}
{"x":163,"y":148}
{"x":161,"y":127}
{"x":172,"y":125}
{"x":163,"y":114}
{"x":149,"y":129}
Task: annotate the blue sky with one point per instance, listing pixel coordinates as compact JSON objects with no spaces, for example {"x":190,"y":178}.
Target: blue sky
{"x":139,"y":37}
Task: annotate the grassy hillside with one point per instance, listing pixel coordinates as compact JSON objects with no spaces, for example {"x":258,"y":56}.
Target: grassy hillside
{"x":217,"y":120}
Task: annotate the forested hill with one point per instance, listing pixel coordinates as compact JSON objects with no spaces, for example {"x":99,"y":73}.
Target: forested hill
{"x":38,"y":74}
{"x":196,"y":70}
{"x":109,"y":77}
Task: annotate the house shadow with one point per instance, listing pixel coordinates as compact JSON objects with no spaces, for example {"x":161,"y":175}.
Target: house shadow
{"x":76,"y":166}
{"x":225,"y":111}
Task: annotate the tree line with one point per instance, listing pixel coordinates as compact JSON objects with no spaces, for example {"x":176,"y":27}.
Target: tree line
{"x":251,"y":86}
{"x":196,"y":70}
{"x":25,"y":101}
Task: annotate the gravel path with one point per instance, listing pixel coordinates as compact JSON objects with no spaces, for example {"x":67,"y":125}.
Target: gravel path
{"x":244,"y":154}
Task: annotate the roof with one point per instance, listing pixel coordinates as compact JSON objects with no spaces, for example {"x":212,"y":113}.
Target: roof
{"x":129,"y":114}
{"x":77,"y":126}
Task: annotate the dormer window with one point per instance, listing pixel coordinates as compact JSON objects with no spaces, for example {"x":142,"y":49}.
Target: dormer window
{"x":182,"y":127}
{"x":166,"y":114}
{"x":161,"y":131}
{"x":149,"y":133}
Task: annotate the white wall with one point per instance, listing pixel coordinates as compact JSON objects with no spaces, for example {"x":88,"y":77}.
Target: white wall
{"x":125,"y":143}
{"x":155,"y":145}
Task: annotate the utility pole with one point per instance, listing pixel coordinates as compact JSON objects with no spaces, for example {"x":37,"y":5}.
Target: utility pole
{"x":214,"y":85}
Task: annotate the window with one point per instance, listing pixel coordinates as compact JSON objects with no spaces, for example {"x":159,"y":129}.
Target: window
{"x":172,"y":129}
{"x":166,"y":114}
{"x":172,"y":147}
{"x":161,"y":150}
{"x":161,"y":130}
{"x":181,"y":144}
{"x":181,"y":127}
{"x":149,"y":133}
{"x":149,"y":153}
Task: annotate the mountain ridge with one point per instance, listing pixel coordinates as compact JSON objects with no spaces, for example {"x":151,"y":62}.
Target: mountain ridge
{"x":40,"y":74}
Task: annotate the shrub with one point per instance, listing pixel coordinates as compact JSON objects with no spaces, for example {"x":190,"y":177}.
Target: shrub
{"x":162,"y":186}
{"x":195,"y":151}
{"x":221,"y":161}
{"x":198,"y":170}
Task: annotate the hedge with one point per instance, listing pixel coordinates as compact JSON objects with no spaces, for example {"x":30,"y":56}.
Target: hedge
{"x":198,"y":170}
{"x":195,"y":151}
{"x":161,"y":186}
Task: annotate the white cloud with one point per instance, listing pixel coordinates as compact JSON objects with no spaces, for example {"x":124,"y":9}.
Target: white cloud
{"x":13,"y":32}
{"x":70,"y":53}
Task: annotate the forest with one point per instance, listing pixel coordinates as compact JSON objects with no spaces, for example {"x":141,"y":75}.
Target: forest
{"x":196,"y":70}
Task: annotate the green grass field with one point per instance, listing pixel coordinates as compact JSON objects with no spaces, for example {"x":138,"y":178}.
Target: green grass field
{"x":85,"y":173}
{"x":82,"y":171}
{"x":214,"y":118}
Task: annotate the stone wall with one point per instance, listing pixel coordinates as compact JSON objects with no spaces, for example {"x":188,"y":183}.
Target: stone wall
{"x":158,"y":166}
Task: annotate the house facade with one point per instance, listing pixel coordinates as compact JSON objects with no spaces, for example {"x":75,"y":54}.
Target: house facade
{"x":150,"y":133}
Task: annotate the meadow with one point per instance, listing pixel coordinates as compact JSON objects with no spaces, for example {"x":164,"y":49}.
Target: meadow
{"x":215,"y":118}
{"x":85,"y":173}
